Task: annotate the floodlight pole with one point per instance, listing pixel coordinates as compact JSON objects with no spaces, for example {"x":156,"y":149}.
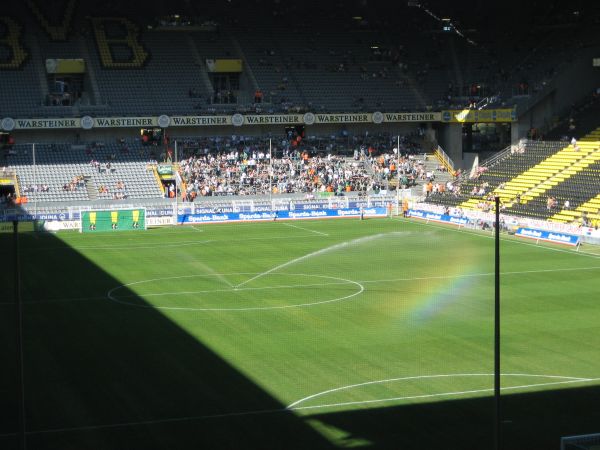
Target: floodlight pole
{"x":35,"y":185}
{"x":398,"y":172}
{"x":176,"y":186}
{"x":270,"y":174}
{"x":21,"y":437}
{"x":497,"y":410}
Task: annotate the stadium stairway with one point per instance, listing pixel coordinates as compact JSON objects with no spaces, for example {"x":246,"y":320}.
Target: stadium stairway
{"x":577,"y":190}
{"x":433,"y":163}
{"x":591,"y":207}
{"x":58,"y":165}
{"x":550,"y":172}
{"x":501,"y":168}
{"x":91,"y":187}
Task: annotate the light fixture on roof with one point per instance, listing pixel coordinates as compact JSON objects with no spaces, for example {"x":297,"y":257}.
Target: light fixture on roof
{"x":447,"y":25}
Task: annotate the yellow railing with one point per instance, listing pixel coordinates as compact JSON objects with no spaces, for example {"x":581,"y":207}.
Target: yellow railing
{"x":445,"y":160}
{"x":157,"y":178}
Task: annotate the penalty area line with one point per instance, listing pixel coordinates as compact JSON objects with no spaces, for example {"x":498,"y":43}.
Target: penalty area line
{"x":304,"y":229}
{"x":293,"y":406}
{"x":152,"y":422}
{"x":508,"y":239}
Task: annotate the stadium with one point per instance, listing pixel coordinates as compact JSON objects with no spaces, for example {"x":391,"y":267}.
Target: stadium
{"x":299,"y":225}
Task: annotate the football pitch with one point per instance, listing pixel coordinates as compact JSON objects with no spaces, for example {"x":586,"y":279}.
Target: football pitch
{"x":297,"y":335}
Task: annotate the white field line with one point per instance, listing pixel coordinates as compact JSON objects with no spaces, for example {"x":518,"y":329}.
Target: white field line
{"x":157,"y":232}
{"x":270,"y":238}
{"x":135,"y":247}
{"x":482,"y":274}
{"x":233,"y":289}
{"x":561,"y":250}
{"x":152,"y":422}
{"x":441,"y":394}
{"x":178,"y":244}
{"x":424,"y":377}
{"x":387,"y":280}
{"x":198,"y":230}
{"x":294,"y":286}
{"x":303,"y":228}
{"x":291,"y":408}
{"x":504,"y":239}
{"x":110,"y":296}
{"x":58,"y":300}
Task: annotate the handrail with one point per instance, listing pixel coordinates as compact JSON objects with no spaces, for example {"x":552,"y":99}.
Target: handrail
{"x":497,"y":157}
{"x":445,"y":160}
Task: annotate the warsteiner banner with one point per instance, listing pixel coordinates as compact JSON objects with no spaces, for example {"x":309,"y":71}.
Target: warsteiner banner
{"x":238,"y":120}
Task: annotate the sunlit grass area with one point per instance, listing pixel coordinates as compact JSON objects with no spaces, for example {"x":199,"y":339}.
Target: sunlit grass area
{"x":199,"y":332}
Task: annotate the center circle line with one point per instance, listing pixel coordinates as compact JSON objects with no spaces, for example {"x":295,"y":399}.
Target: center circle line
{"x":115,"y":298}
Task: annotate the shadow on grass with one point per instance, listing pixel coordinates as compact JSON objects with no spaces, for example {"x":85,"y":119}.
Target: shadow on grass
{"x":101,"y":376}
{"x":98,"y":378}
{"x":531,"y":421}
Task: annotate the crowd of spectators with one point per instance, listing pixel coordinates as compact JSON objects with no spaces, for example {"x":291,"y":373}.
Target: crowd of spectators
{"x":408,"y":169}
{"x":118,"y":192}
{"x":448,"y":188}
{"x":239,"y":165}
{"x":75,"y":183}
{"x":235,"y":173}
{"x":7,"y":200}
{"x":37,"y":188}
{"x":106,"y":167}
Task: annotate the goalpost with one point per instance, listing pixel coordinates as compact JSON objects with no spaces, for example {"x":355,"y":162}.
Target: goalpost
{"x":102,"y":220}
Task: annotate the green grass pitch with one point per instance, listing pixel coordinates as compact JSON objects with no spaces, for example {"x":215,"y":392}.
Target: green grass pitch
{"x":297,"y":335}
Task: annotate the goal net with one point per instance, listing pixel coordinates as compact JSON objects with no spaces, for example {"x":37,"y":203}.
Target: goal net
{"x":93,"y":221}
